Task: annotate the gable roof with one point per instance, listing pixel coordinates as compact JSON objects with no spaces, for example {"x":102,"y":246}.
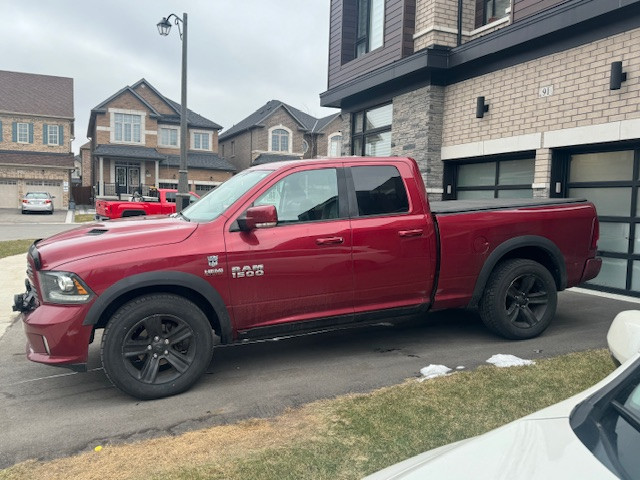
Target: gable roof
{"x":306,"y":122}
{"x":34,"y":94}
{"x":194,"y":120}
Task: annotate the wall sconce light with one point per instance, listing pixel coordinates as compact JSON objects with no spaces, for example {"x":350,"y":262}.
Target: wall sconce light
{"x":617,"y":76}
{"x":481,"y":108}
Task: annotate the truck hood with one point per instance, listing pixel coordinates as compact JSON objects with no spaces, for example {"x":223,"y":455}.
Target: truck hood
{"x":112,"y":236}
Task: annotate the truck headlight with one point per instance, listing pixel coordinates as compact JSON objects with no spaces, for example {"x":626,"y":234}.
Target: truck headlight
{"x":64,"y":287}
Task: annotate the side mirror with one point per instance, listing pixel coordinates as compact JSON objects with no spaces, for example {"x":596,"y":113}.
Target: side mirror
{"x":623,"y":337}
{"x":264,"y":216}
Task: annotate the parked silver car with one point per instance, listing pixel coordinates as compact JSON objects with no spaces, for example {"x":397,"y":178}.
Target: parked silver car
{"x":37,"y":202}
{"x":594,"y":435}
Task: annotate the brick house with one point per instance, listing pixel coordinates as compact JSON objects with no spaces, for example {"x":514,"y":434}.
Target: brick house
{"x":36,"y":130}
{"x":135,"y":144}
{"x":277,"y":131}
{"x":501,"y":98}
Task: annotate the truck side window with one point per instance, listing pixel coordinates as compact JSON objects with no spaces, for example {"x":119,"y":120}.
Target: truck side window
{"x":379,"y":190}
{"x":171,"y":197}
{"x":306,"y":196}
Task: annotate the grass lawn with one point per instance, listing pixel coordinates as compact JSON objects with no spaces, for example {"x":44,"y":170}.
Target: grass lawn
{"x":343,"y":438}
{"x":83,"y":217}
{"x":14,"y":247}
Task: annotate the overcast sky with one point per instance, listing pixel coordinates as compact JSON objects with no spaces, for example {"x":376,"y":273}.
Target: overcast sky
{"x":241,"y":53}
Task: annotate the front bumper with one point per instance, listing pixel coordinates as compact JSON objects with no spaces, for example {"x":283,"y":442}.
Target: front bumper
{"x":56,"y":336}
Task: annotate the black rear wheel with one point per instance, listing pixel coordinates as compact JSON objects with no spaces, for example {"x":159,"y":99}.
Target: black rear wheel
{"x":156,"y":346}
{"x":519,"y":300}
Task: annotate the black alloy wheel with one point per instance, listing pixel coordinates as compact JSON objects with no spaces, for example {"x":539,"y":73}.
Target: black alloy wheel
{"x":156,"y":345}
{"x":519,"y":300}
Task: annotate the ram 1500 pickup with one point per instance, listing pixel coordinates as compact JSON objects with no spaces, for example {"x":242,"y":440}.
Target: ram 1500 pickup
{"x":294,"y":247}
{"x":162,"y":202}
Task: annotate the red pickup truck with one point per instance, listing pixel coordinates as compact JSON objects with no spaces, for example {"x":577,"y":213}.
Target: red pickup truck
{"x":162,"y":202}
{"x":294,"y":247}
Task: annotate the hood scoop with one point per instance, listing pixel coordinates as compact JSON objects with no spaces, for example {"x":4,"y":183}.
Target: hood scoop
{"x":97,"y":231}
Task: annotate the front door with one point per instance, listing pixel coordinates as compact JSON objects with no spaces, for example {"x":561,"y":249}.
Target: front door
{"x":127,"y":179}
{"x":300,"y":269}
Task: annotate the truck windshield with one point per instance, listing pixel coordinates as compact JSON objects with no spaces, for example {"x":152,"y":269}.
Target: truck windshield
{"x":218,"y":200}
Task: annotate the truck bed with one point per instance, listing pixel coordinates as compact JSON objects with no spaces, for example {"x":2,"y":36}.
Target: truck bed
{"x":463,"y":206}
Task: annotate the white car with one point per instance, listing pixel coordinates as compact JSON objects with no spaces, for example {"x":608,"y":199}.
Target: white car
{"x":37,"y":202}
{"x":592,"y":435}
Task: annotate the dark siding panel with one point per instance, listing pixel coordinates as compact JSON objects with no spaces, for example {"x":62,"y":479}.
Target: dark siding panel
{"x":479,"y":13}
{"x":398,"y":40}
{"x":526,"y":8}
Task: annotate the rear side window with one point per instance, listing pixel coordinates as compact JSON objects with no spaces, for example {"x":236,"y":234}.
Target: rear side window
{"x":379,"y":190}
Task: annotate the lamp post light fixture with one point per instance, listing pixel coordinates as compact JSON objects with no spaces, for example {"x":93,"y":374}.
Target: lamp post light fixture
{"x":164,"y":27}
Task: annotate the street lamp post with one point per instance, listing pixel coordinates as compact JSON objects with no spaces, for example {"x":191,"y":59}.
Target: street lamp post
{"x":164,"y":27}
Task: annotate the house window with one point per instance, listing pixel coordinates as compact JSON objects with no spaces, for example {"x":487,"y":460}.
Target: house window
{"x":494,"y":10}
{"x":335,"y":144}
{"x":305,"y":146}
{"x":233,"y":148}
{"x":52,"y":135}
{"x":498,"y":179}
{"x":127,"y":128}
{"x":169,"y":137}
{"x":369,"y":26}
{"x":371,"y":132}
{"x":279,"y":140}
{"x":200,"y":140}
{"x":23,"y":132}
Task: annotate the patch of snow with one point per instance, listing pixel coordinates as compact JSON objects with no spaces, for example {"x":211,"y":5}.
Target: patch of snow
{"x":502,"y":361}
{"x":460,"y":367}
{"x":433,"y":371}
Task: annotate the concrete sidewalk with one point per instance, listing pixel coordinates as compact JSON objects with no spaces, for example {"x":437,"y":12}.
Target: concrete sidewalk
{"x":14,"y":272}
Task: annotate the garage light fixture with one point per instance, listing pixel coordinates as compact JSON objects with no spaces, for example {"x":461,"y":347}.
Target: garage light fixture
{"x":481,"y":108}
{"x":617,"y":76}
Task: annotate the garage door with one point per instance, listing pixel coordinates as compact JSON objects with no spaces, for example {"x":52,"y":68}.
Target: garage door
{"x":611,"y":180}
{"x":9,"y":193}
{"x":54,"y":187}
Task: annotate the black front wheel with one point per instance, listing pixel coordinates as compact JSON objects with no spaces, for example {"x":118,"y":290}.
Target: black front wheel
{"x":519,"y":300}
{"x":156,"y":345}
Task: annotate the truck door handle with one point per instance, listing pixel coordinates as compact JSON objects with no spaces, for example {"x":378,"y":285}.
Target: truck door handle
{"x":410,"y":233}
{"x":329,"y":241}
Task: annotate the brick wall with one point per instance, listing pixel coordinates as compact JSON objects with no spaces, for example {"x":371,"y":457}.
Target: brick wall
{"x":581,"y":95}
{"x":437,"y":22}
{"x":85,"y":155}
{"x":336,"y":125}
{"x":7,"y":142}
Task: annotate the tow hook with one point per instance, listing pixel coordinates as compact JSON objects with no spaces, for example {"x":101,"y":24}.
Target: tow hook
{"x":23,"y":302}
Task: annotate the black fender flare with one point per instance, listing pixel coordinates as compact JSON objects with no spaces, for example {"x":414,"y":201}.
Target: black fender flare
{"x":158,"y":279}
{"x":533,"y":241}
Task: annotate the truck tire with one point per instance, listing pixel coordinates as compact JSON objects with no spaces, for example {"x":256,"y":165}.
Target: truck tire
{"x":156,"y":345}
{"x":519,"y":300}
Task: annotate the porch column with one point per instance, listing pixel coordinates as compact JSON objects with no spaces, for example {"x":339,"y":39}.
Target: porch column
{"x":101,"y":176}
{"x":157,"y":182}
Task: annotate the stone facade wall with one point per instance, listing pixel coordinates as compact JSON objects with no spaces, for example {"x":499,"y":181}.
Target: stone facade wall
{"x":417,"y":132}
{"x":581,"y":95}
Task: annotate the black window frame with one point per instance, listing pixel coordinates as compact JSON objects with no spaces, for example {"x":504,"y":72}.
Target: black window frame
{"x":450,"y":176}
{"x":363,"y":133}
{"x":560,"y":173}
{"x":363,"y":38}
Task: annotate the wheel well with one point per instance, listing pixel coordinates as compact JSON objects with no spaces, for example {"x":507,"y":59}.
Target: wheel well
{"x":539,"y":255}
{"x":187,"y":293}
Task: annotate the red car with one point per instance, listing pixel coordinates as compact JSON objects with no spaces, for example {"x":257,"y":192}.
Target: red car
{"x":293,"y":247}
{"x":162,"y":202}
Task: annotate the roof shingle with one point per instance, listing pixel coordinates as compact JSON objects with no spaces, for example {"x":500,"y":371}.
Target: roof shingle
{"x":34,"y":94}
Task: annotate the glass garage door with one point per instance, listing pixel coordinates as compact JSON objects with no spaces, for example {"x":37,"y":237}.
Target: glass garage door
{"x":610,"y":180}
{"x":498,"y":179}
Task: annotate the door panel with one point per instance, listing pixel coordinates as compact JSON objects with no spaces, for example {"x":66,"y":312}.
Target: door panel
{"x":392,"y":239}
{"x":300,"y":269}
